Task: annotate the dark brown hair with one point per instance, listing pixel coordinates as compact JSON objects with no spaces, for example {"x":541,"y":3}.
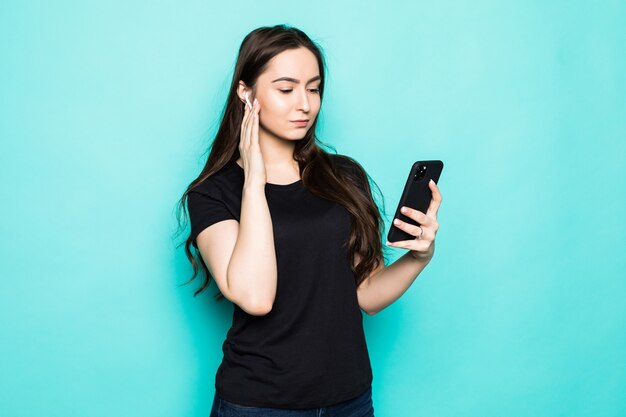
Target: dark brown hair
{"x":322,"y":173}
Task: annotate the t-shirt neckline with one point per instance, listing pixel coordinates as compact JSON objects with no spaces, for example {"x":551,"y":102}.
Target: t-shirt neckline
{"x":273,"y":186}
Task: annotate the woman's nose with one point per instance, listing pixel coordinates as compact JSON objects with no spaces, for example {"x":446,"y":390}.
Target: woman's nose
{"x":304,"y":102}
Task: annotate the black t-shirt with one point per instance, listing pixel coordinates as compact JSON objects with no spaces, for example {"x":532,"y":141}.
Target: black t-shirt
{"x":309,"y":351}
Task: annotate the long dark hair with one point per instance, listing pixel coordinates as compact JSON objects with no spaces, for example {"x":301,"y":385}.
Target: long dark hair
{"x":321,"y":172}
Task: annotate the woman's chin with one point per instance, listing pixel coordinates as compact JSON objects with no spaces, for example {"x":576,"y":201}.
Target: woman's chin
{"x":290,"y":134}
{"x":295,"y":135}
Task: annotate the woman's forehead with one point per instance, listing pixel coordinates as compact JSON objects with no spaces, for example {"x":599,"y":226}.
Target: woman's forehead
{"x":294,"y":65}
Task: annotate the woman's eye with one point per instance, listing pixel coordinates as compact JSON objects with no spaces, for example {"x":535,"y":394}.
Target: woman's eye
{"x":315,"y":90}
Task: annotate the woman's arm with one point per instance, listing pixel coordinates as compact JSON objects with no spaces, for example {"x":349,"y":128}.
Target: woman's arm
{"x":252,"y":272}
{"x":388,"y":284}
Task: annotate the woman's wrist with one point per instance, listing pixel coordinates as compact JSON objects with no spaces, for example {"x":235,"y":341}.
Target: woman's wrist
{"x":420,"y":256}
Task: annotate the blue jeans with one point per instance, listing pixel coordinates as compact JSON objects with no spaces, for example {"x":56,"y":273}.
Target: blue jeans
{"x":360,"y":406}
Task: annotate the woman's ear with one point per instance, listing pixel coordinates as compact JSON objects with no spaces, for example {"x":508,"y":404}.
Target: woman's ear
{"x":241,"y":92}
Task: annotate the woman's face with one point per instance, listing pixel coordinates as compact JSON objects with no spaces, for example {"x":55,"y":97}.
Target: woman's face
{"x":284,"y":100}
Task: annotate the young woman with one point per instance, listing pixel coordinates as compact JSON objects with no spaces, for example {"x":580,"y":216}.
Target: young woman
{"x":292,"y":237}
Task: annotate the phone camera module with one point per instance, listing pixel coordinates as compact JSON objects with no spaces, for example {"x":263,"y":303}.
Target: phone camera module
{"x":421,"y":173}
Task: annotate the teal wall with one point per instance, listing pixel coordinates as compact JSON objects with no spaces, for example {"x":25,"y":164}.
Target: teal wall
{"x":107,"y":108}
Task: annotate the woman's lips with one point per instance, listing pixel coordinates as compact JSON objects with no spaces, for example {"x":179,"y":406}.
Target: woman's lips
{"x":299,"y":123}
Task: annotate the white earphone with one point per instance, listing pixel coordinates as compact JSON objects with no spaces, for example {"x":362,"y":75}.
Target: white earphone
{"x":248,"y":101}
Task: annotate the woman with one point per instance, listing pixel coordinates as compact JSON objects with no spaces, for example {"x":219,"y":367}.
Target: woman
{"x":292,"y":237}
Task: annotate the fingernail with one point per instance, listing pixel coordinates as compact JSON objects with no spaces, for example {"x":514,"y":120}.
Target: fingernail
{"x":403,"y":209}
{"x":396,"y":222}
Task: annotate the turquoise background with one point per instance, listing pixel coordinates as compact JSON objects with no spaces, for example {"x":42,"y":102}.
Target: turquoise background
{"x":107,"y":108}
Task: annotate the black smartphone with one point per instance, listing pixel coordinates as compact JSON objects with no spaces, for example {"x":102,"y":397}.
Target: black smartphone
{"x":416,"y":195}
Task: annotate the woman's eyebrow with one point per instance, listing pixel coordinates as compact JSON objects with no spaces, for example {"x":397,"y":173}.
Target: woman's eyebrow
{"x":293,"y":80}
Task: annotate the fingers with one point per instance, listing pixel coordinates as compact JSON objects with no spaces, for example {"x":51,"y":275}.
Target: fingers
{"x":417,"y":215}
{"x":412,"y":244}
{"x":246,"y":130}
{"x":255,"y":125}
{"x":411,"y":229}
{"x":428,"y":233}
{"x":251,"y":122}
{"x":429,"y":224}
{"x":435,"y":202}
{"x":246,"y":125}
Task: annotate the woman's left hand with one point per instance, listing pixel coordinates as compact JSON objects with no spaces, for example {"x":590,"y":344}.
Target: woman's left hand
{"x":424,"y":248}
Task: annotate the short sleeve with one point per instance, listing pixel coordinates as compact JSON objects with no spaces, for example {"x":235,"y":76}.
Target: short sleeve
{"x":204,"y":210}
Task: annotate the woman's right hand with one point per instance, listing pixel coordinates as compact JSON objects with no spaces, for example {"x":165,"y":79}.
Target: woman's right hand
{"x":253,"y":164}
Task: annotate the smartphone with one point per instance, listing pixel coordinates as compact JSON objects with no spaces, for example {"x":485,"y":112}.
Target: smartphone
{"x":416,"y":195}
